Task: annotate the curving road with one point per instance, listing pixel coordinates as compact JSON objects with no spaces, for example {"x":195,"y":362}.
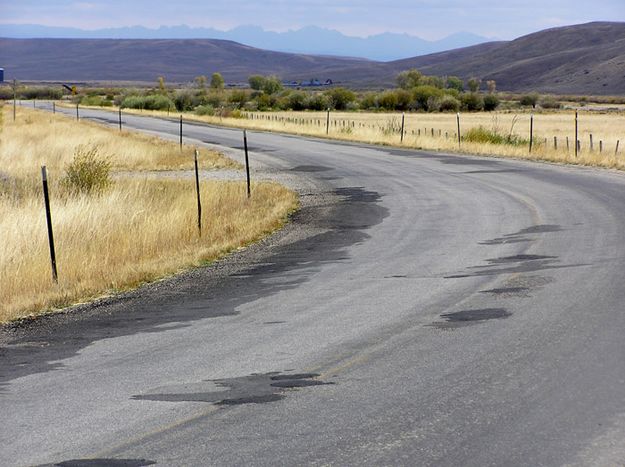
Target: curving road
{"x":421,"y":309}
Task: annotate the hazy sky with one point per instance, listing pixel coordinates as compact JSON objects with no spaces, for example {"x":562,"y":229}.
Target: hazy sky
{"x":430,"y":19}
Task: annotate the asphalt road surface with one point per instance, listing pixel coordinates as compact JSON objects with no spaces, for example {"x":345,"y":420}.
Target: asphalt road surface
{"x":421,"y":309}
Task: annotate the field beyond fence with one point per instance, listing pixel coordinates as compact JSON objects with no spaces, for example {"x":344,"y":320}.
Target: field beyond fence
{"x":601,"y":135}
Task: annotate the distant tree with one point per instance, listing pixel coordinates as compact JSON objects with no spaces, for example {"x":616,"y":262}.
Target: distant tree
{"x":491,"y":102}
{"x":474,"y":84}
{"x":317,"y":101}
{"x":161,"y":85}
{"x":340,"y":97}
{"x":529,"y":99}
{"x":434,"y":81}
{"x":453,"y":82}
{"x":256,"y":82}
{"x":271,"y":85}
{"x":491,"y":85}
{"x":449,"y":104}
{"x":422,"y":94}
{"x":472,"y":101}
{"x":409,"y":79}
{"x":296,"y":100}
{"x":200,"y":83}
{"x":217,"y":81}
{"x":238,"y":97}
{"x":387,"y":100}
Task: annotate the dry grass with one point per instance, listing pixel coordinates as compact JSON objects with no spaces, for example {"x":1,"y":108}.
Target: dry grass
{"x":137,"y":231}
{"x":40,"y":138}
{"x":383,"y":128}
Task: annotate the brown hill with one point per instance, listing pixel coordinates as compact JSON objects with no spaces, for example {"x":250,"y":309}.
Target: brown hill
{"x":145,"y":60}
{"x":582,"y":59}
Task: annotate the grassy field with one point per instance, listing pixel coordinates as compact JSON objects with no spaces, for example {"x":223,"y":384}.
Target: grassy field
{"x":438,"y":132}
{"x":138,"y":230}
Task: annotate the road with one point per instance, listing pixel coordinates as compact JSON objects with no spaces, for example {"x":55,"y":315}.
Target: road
{"x":421,"y":309}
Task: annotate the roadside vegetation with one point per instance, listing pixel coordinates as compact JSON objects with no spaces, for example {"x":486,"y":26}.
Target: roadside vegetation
{"x":491,"y":122}
{"x":115,"y":225}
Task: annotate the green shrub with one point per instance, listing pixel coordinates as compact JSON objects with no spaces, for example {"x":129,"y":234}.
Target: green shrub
{"x":158,"y":102}
{"x":238,"y":97}
{"x":216,"y":99}
{"x":40,"y":93}
{"x":340,"y":97}
{"x":453,"y":82}
{"x":88,"y":173}
{"x":449,"y":103}
{"x":205,"y":110}
{"x":266,"y":101}
{"x":422,"y":94}
{"x":369,"y":101}
{"x":409,"y":79}
{"x":491,"y":102}
{"x":472,"y":101}
{"x":317,"y":101}
{"x":96,"y":101}
{"x":387,"y":100}
{"x":151,"y":102}
{"x":483,"y":135}
{"x":185,"y":99}
{"x":529,"y":100}
{"x":549,"y":102}
{"x":6,"y":93}
{"x":434,"y":104}
{"x":296,"y":100}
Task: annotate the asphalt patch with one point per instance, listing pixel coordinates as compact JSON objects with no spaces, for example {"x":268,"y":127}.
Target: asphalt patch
{"x":470,"y":317}
{"x":102,"y":463}
{"x":519,"y":258}
{"x":523,"y":235}
{"x":494,"y":171}
{"x":507,"y":291}
{"x":310,"y":168}
{"x":253,"y":389}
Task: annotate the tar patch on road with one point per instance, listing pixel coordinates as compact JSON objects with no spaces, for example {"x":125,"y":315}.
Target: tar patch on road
{"x":253,"y":389}
{"x":102,"y":463}
{"x":310,"y":168}
{"x":470,"y":317}
{"x":523,"y":235}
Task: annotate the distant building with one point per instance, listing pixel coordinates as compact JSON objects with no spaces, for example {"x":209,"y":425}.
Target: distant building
{"x":1,"y":75}
{"x":306,"y":84}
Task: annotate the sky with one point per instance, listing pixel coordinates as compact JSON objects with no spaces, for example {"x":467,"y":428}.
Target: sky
{"x":429,"y":19}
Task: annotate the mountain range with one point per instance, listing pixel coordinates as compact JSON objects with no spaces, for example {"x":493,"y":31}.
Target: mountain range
{"x":581,"y":59}
{"x":309,"y":40}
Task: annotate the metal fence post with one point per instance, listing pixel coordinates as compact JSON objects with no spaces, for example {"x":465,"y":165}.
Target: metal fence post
{"x":46,"y":198}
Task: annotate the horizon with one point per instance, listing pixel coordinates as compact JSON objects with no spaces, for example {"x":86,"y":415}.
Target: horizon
{"x":250,"y":26}
{"x":426,"y":19}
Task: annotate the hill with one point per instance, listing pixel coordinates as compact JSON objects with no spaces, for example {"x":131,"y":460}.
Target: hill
{"x":582,"y":59}
{"x":145,"y":60}
{"x":307,"y":40}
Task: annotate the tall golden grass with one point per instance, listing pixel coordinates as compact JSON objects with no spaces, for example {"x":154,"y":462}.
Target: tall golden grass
{"x":137,"y":231}
{"x":41,"y":138}
{"x":438,"y":131}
